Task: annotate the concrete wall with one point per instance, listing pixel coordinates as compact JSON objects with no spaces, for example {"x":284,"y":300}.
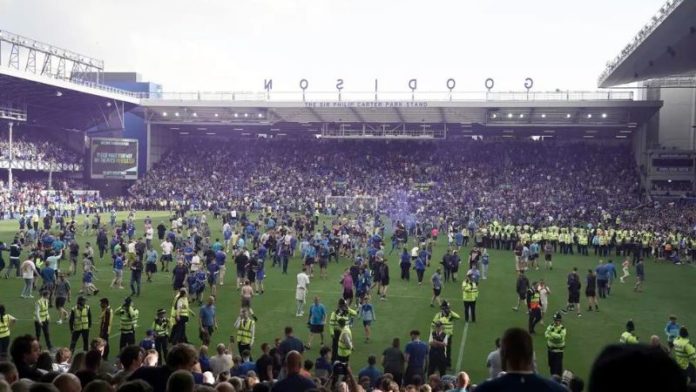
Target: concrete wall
{"x":676,"y":118}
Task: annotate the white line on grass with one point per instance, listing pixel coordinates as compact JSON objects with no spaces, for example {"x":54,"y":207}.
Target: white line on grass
{"x":336,"y":292}
{"x":461,"y":348}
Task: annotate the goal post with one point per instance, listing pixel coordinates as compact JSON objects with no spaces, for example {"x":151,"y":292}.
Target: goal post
{"x":351,"y":204}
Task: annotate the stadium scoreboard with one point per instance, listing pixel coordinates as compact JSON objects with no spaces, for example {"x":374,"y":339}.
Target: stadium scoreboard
{"x":113,"y":158}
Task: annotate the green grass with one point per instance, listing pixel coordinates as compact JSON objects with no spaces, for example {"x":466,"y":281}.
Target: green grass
{"x":668,"y":289}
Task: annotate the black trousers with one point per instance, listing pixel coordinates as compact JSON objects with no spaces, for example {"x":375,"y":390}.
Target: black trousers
{"x":334,"y":341}
{"x":241,"y":347}
{"x":448,"y":354}
{"x":127,"y":339}
{"x":437,"y":363}
{"x":690,"y":373}
{"x":470,"y":309}
{"x":162,"y":346}
{"x":4,"y":347}
{"x":85,"y":339}
{"x":43,"y":326}
{"x":405,"y":272}
{"x":534,"y":318}
{"x":179,"y":331}
{"x":556,"y":362}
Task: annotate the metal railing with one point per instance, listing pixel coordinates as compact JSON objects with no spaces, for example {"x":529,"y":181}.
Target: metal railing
{"x":79,"y":82}
{"x":21,"y":164}
{"x":325,"y":96}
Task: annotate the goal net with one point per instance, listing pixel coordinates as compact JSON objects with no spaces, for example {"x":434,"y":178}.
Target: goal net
{"x":351,"y":204}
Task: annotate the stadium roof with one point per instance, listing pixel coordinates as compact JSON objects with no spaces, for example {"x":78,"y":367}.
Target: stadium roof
{"x":57,"y":103}
{"x":506,"y":114}
{"x":666,"y":46}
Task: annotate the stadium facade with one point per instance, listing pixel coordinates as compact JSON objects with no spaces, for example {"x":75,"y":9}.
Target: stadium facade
{"x":53,"y":90}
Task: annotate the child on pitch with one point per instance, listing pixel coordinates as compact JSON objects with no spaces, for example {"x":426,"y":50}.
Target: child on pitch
{"x":624,"y":268}
{"x":148,"y":343}
{"x":367,"y":314}
{"x":88,"y":287}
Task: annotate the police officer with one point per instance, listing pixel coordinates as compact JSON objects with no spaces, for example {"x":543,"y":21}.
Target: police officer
{"x":80,"y":322}
{"x":343,"y":312}
{"x":42,"y":318}
{"x":629,"y":336}
{"x":345,"y":341}
{"x":437,"y":357}
{"x":685,"y":354}
{"x":446,"y":316}
{"x":555,"y":342}
{"x":161,"y":328}
{"x":470,"y":294}
{"x":246,"y":328}
{"x":129,"y":320}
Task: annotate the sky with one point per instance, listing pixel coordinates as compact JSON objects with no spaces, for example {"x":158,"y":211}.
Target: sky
{"x":216,"y":45}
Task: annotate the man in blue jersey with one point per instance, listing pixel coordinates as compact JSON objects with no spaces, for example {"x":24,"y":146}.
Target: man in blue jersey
{"x":415,"y":354}
{"x":602,"y":279}
{"x":317,"y":319}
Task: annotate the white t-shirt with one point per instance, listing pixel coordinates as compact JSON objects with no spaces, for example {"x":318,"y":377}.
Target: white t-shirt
{"x":544,"y":295}
{"x":167,"y":248}
{"x":302,"y":283}
{"x":195,"y":263}
{"x":28,"y":269}
{"x":149,"y":233}
{"x":414,"y":251}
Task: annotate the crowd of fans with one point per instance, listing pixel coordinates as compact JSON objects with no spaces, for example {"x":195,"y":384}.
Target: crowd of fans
{"x":66,"y":196}
{"x":282,"y":369}
{"x":35,"y":148}
{"x":539,"y":184}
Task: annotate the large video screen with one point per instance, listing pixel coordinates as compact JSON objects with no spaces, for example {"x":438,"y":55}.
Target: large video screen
{"x":114,"y":158}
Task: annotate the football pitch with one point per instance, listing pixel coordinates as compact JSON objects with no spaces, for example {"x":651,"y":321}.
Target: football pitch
{"x":668,"y":289}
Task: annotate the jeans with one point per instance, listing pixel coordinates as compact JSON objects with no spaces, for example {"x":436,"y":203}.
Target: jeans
{"x":285,"y":261}
{"x":135,"y":285}
{"x":28,"y":285}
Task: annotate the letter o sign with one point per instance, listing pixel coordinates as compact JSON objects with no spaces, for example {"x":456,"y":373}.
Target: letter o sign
{"x":304,"y":84}
{"x":489,"y":83}
{"x":451,"y":83}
